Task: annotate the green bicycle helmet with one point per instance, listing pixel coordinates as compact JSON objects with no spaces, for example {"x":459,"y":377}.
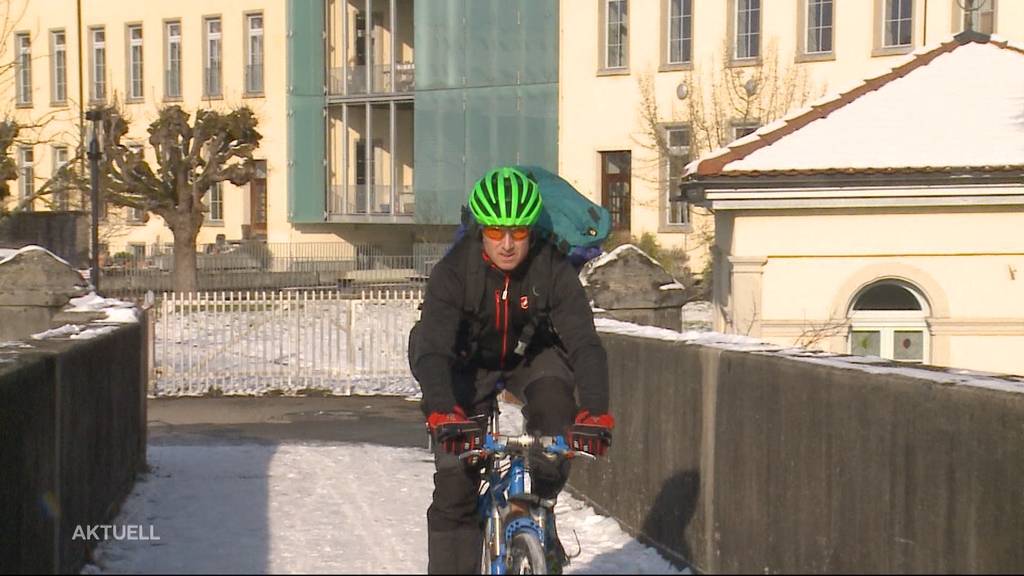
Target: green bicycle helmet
{"x":505,"y":196}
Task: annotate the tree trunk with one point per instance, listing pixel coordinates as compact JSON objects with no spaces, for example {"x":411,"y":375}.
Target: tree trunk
{"x":185,"y":276}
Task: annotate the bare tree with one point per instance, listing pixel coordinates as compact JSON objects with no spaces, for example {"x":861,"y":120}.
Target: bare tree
{"x":718,"y":98}
{"x":190,"y":159}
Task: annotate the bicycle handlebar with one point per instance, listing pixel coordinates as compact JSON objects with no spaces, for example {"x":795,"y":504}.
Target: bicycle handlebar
{"x":503,"y":444}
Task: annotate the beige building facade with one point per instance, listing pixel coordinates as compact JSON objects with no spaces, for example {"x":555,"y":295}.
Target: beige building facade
{"x":717,"y":70}
{"x":145,"y":55}
{"x":883,"y":221}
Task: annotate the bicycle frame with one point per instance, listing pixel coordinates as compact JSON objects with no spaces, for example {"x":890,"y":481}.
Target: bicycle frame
{"x":505,"y":485}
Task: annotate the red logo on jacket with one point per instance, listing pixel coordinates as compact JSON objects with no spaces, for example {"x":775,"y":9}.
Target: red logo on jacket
{"x":524,"y":302}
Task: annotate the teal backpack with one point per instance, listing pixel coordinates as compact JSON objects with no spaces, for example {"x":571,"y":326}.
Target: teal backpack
{"x":569,"y":220}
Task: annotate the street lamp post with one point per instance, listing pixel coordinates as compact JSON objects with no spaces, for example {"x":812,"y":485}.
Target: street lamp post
{"x":94,"y":154}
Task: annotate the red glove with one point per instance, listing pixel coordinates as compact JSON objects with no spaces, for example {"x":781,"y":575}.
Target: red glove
{"x":591,"y":434}
{"x":454,"y":432}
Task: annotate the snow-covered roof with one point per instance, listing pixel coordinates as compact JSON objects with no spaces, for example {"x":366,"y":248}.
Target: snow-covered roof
{"x":959,"y":105}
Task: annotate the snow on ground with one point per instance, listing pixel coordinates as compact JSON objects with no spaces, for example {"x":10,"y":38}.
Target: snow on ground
{"x":301,"y":508}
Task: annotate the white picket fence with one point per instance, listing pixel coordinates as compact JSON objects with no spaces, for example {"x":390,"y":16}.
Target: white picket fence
{"x":267,"y":342}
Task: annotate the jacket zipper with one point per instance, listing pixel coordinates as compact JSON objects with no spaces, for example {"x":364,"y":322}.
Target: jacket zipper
{"x":504,"y":333}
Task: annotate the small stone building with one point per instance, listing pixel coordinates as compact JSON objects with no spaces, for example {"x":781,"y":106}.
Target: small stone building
{"x":886,"y":220}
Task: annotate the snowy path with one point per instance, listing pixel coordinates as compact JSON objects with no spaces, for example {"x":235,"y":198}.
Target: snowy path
{"x":313,"y":508}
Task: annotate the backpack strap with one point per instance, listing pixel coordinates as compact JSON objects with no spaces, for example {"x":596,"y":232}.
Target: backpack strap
{"x":473,"y":290}
{"x":540,"y":283}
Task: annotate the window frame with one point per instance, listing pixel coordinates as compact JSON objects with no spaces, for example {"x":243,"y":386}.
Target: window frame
{"x":604,"y":47}
{"x":250,"y":35}
{"x":888,"y":322}
{"x":734,"y":34}
{"x":606,"y":180}
{"x":665,"y":223}
{"x":750,"y":126}
{"x":58,"y":68}
{"x":208,"y":39}
{"x":60,"y":195}
{"x":880,"y":26}
{"x":215,"y":203}
{"x":804,"y":32}
{"x":960,"y":16}
{"x":686,"y":31}
{"x":97,"y":65}
{"x":26,"y":177}
{"x":170,"y":72}
{"x":23,"y":69}
{"x":131,"y":81}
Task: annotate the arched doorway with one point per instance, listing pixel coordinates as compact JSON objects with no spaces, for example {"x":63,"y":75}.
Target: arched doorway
{"x":889,"y":319}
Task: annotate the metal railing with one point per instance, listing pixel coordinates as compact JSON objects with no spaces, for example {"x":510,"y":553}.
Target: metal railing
{"x":359,"y":199}
{"x":383,"y":79}
{"x":212,"y":85}
{"x":257,"y":342}
{"x":265,"y":266}
{"x":172,"y":83}
{"x":254,"y":79}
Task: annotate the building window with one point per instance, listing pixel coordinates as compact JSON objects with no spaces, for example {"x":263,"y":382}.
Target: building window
{"x":216,"y":202}
{"x":172,"y":65}
{"x":138,"y":255}
{"x":58,"y":67}
{"x":212,"y":68}
{"x":680,"y":31}
{"x":60,"y":192}
{"x":888,"y":320}
{"x":26,"y":175}
{"x":677,"y":140}
{"x":819,"y":26}
{"x":897,"y":23}
{"x":978,"y":15}
{"x":616,"y":37}
{"x":23,"y":78}
{"x":615,"y":187}
{"x":254,"y":55}
{"x":98,"y":88}
{"x":741,"y":129}
{"x":748,"y":29}
{"x":135,"y":62}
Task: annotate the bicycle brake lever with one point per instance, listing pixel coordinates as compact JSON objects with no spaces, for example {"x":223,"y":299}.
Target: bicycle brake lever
{"x":472,"y":453}
{"x":576,"y":453}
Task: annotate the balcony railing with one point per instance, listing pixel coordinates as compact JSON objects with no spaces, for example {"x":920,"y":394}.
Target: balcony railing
{"x":372,"y":199}
{"x":172,"y":83}
{"x":383,"y":79}
{"x":212,"y":81}
{"x":254,"y":79}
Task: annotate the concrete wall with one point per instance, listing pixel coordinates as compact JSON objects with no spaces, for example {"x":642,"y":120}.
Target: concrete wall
{"x":73,"y":426}
{"x":743,"y":462}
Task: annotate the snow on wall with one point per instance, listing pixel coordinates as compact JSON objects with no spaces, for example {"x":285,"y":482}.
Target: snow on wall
{"x":870,"y":365}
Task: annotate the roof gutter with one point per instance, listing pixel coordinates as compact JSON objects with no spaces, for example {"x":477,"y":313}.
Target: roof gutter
{"x":963,"y":182}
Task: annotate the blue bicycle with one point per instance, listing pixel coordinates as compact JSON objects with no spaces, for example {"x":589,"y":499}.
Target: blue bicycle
{"x":518,"y":525}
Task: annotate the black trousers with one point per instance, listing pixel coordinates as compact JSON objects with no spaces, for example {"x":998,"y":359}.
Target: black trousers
{"x":454,"y":526}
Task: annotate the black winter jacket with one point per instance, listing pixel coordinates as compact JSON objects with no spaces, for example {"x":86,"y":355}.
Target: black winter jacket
{"x":447,"y":335}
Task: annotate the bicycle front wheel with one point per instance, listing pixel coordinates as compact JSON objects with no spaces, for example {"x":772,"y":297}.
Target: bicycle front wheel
{"x":526,"y":554}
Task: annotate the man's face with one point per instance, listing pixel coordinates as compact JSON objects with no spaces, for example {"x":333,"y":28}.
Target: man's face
{"x":506,"y":247}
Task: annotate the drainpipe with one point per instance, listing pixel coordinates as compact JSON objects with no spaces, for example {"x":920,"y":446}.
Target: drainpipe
{"x":924,"y":39}
{"x":81,"y":91}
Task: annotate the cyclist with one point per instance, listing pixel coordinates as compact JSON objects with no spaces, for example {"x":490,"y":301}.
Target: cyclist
{"x":530,"y":328}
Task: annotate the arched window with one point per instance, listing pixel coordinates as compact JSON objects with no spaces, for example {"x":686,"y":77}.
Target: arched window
{"x":889,"y":319}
